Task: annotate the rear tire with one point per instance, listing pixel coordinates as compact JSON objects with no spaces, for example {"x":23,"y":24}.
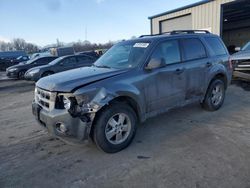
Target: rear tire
{"x":115,"y":128}
{"x":215,"y":96}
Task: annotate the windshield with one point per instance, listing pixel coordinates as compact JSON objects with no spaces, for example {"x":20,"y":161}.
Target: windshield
{"x":123,"y":56}
{"x":56,"y":61}
{"x":246,"y":47}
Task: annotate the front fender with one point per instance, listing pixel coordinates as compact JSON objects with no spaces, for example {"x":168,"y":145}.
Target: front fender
{"x":92,"y":100}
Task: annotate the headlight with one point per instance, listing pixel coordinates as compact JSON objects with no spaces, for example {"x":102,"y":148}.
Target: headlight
{"x":67,"y":103}
{"x":33,"y":71}
{"x":12,"y":70}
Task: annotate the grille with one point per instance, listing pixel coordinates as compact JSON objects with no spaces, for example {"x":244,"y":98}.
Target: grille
{"x":45,"y":99}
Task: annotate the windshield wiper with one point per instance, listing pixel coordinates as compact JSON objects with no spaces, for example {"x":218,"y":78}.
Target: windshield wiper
{"x":102,"y":66}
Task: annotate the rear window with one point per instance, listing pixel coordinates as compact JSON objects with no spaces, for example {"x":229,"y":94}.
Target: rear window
{"x":216,"y":46}
{"x":193,"y":49}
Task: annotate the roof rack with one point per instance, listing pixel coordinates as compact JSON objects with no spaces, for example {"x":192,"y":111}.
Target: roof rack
{"x":189,"y":32}
{"x":165,"y":33}
{"x":176,"y":32}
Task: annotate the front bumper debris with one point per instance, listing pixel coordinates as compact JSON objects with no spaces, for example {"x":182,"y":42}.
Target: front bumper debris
{"x":242,"y":71}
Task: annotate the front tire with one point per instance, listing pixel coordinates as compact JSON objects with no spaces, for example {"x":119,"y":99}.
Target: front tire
{"x":21,"y":74}
{"x":215,"y":95}
{"x":115,"y":128}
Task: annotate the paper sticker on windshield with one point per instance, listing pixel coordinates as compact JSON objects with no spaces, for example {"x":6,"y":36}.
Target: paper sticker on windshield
{"x":141,"y":45}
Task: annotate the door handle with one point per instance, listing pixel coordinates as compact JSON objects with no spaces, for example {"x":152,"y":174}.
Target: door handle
{"x":209,"y":64}
{"x":179,"y":71}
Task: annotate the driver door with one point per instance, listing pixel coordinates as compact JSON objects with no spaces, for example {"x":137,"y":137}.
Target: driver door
{"x":169,"y":80}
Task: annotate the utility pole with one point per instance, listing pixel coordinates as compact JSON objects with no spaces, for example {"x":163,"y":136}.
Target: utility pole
{"x":86,"y":33}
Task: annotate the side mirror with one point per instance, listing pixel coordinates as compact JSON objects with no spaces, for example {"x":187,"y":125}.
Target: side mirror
{"x":237,"y":49}
{"x":61,"y":64}
{"x":155,"y":63}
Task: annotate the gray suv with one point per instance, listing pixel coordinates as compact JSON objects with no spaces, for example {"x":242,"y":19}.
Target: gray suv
{"x":134,"y":80}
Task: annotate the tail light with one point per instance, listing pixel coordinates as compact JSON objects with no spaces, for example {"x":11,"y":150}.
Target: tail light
{"x":230,"y":63}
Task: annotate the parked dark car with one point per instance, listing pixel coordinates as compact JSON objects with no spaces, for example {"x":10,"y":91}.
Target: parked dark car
{"x":241,"y":63}
{"x":18,"y":71}
{"x":5,"y":63}
{"x":134,"y":80}
{"x":58,"y":65}
{"x":9,"y":58}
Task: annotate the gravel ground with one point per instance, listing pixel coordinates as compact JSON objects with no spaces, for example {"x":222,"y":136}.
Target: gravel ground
{"x":188,"y":147}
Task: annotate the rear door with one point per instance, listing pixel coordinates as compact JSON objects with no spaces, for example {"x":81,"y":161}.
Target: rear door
{"x":169,"y":80}
{"x":83,"y":61}
{"x":196,"y":64}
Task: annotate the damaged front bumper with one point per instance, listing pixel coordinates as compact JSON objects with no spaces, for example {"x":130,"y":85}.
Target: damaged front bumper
{"x":61,"y":124}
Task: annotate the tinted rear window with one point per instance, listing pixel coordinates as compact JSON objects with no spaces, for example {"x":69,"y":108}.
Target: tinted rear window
{"x":193,"y":49}
{"x":216,"y":46}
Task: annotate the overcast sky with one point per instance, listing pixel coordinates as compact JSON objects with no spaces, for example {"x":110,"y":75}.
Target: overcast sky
{"x":43,"y":21}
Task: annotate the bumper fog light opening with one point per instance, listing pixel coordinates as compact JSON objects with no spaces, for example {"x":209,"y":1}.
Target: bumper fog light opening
{"x":61,"y":127}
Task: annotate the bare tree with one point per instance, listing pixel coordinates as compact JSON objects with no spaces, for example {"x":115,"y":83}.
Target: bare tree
{"x":18,"y":44}
{"x":87,"y":46}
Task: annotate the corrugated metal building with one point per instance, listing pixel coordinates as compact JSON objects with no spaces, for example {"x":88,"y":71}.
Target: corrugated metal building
{"x":228,"y":18}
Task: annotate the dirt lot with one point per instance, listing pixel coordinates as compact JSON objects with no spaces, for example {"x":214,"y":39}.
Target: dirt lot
{"x":188,"y":147}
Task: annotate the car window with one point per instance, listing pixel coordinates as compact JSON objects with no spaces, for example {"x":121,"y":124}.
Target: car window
{"x":83,"y":58}
{"x":193,"y":49}
{"x":42,"y":61}
{"x":69,"y":61}
{"x":216,"y":46}
{"x":246,"y":47}
{"x":39,"y":61}
{"x":168,"y":51}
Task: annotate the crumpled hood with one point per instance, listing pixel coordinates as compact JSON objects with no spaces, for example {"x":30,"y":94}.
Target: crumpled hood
{"x":241,"y":55}
{"x":69,"y":80}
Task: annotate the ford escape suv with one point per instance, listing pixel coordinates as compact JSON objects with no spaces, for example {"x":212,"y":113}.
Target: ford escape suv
{"x":134,"y":80}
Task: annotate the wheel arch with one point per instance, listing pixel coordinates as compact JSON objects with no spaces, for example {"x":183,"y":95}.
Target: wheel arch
{"x":219,"y":75}
{"x":122,"y":99}
{"x":47,"y":71}
{"x":119,"y":99}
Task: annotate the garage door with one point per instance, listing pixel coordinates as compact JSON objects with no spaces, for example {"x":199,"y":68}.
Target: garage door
{"x":180,"y":23}
{"x":236,"y":24}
